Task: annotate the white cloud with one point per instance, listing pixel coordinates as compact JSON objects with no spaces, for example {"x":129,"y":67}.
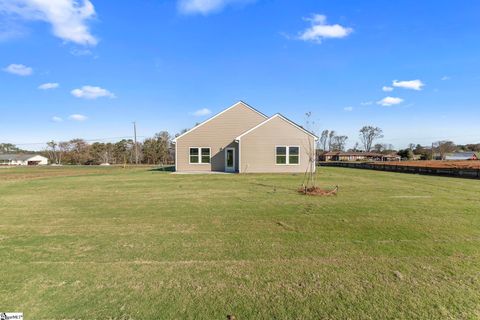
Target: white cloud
{"x":68,"y":18}
{"x":48,"y":85}
{"x":390,"y":101}
{"x":320,"y":30}
{"x":57,"y":119}
{"x":206,"y":6}
{"x":90,"y":92}
{"x":201,"y":112}
{"x":348,"y":109}
{"x":410,"y":84}
{"x":18,"y":69}
{"x":77,"y":117}
{"x":387,"y":89}
{"x":445,"y":78}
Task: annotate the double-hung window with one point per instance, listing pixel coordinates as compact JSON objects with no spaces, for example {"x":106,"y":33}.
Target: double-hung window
{"x":281,"y":155}
{"x":287,"y":155}
{"x":199,"y":155}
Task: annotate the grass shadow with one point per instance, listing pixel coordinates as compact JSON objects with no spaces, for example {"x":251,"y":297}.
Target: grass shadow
{"x":164,"y":169}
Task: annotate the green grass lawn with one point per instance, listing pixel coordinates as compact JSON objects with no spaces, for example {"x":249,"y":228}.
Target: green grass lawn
{"x":98,"y":243}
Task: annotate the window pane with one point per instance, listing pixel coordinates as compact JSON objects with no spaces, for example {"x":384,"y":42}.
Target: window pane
{"x":205,"y":155}
{"x":293,"y":151}
{"x":293,"y":155}
{"x":194,"y":155}
{"x":281,"y":151}
{"x":281,"y":159}
{"x":193,"y":159}
{"x":194,"y":151}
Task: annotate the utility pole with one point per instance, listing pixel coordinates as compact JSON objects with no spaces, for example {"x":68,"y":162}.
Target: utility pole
{"x":135,"y":141}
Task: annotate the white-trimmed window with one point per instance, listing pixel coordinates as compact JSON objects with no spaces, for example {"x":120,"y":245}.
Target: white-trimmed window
{"x":294,"y":155}
{"x":199,"y":155}
{"x":287,"y":155}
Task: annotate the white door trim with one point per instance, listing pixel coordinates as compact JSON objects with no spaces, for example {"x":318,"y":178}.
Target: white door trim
{"x":229,"y":169}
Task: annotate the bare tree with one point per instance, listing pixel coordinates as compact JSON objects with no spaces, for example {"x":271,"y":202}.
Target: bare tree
{"x":101,"y":153}
{"x":80,"y":151}
{"x":323,"y":140}
{"x":338,"y":143}
{"x":63,"y":150}
{"x":379,"y":147}
{"x":52,"y":152}
{"x":309,"y":180}
{"x":108,"y":153}
{"x":368,"y":134}
{"x":331,"y":136}
{"x":444,"y":147}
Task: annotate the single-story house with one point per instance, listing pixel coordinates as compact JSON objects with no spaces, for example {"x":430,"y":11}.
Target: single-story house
{"x":22,"y":160}
{"x":355,"y":156}
{"x":244,"y":140}
{"x":462,"y":156}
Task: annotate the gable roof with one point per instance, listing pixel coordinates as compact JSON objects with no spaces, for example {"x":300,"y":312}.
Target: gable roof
{"x":17,"y":156}
{"x":278,"y":115}
{"x":208,"y":120}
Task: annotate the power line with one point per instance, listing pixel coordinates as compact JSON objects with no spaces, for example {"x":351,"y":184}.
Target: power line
{"x":134,"y":137}
{"x":86,"y":140}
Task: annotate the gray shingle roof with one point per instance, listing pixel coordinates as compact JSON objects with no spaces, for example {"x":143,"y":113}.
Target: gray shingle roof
{"x":17,"y":157}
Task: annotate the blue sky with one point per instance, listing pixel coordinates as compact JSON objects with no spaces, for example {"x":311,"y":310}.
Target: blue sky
{"x":170,"y":64}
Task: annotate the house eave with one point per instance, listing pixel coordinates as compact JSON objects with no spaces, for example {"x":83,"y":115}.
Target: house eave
{"x":278,"y":115}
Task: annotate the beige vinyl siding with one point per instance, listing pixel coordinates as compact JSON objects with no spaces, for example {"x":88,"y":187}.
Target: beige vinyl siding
{"x":257,"y":148}
{"x":216,"y":134}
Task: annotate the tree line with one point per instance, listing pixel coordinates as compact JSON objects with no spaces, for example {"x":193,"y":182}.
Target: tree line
{"x":153,"y":150}
{"x":10,"y":148}
{"x":329,"y":140}
{"x":159,"y":150}
{"x":437,"y":151}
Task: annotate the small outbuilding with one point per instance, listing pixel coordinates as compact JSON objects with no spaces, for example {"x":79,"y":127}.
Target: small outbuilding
{"x":22,"y":160}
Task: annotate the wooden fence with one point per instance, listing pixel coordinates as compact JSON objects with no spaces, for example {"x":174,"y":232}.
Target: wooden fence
{"x":449,"y":172}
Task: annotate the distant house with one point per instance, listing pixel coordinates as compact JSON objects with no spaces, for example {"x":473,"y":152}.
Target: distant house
{"x":355,"y":156}
{"x":462,"y":156}
{"x":242,"y":139}
{"x":22,"y":160}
